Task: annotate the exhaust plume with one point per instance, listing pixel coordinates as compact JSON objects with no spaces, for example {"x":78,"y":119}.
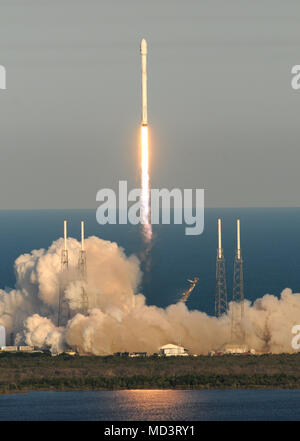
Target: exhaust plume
{"x":118,"y":318}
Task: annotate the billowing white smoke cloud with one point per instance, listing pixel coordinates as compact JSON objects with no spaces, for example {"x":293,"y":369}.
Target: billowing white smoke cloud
{"x":118,"y":317}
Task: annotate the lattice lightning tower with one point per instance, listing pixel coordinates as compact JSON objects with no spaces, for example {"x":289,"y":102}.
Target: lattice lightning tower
{"x":238,"y":288}
{"x":82,"y":273}
{"x":63,"y":305}
{"x":221,"y":289}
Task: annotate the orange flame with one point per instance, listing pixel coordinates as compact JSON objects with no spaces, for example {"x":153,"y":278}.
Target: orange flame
{"x":145,"y":193}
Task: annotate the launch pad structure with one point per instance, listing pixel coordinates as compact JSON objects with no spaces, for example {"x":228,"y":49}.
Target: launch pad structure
{"x":185,"y":296}
{"x":221,"y":304}
{"x":82,"y":274}
{"x":63,"y":305}
{"x":237,"y":314}
{"x":64,"y":313}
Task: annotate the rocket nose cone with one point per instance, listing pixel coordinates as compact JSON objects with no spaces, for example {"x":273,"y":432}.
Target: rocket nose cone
{"x":143,"y":47}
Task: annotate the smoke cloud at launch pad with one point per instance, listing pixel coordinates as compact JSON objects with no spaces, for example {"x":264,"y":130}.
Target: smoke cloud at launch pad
{"x":119,"y":319}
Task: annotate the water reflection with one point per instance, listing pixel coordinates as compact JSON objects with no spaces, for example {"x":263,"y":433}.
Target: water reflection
{"x":152,"y":405}
{"x":156,"y":404}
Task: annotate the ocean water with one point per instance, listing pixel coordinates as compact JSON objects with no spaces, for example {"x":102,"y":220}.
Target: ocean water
{"x":270,"y":240}
{"x":153,"y":405}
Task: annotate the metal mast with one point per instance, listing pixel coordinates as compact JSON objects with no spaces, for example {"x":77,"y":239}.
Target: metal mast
{"x":63,"y":306}
{"x":238,"y":286}
{"x":221,"y":289}
{"x":82,"y":273}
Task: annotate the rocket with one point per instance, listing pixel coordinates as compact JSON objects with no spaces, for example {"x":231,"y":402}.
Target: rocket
{"x":144,"y":82}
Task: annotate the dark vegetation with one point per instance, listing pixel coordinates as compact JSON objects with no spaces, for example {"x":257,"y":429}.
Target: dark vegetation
{"x":22,"y":372}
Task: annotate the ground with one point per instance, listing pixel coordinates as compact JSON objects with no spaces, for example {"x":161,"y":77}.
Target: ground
{"x":22,"y":372}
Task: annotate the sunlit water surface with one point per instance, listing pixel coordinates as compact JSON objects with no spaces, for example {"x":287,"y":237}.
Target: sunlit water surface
{"x":159,"y":405}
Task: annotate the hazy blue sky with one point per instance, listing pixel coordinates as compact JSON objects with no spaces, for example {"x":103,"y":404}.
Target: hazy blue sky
{"x":222,"y":112}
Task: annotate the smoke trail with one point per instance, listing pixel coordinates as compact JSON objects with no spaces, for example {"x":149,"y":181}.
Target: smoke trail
{"x":118,"y":318}
{"x":147,"y":233}
{"x":145,"y":186}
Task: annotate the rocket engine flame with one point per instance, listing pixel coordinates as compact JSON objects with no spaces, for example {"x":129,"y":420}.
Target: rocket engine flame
{"x":145,"y":185}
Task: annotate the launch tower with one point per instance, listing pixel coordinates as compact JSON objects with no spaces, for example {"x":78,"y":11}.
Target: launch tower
{"x":221,"y":289}
{"x":82,"y":273}
{"x":238,"y":288}
{"x":63,"y":305}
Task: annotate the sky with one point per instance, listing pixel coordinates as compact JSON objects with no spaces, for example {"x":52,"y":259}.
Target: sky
{"x":222,"y":113}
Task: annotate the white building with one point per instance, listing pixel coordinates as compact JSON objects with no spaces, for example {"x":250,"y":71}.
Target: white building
{"x":236,"y":348}
{"x":26,"y":348}
{"x":172,"y":350}
{"x":137,"y":354}
{"x":9,"y":348}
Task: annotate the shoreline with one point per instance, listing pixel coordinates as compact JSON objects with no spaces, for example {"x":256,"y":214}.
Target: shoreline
{"x":204,"y":388}
{"x":137,"y":382}
{"x":21,"y":373}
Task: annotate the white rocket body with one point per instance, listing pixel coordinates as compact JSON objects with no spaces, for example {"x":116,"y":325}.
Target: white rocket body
{"x":144,"y":82}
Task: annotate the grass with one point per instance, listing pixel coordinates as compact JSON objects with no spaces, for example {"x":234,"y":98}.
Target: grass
{"x":22,"y":372}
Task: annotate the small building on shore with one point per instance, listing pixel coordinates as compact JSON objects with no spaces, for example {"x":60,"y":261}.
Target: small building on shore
{"x":171,"y":350}
{"x":137,"y":354}
{"x":9,"y":348}
{"x":234,"y":349}
{"x":26,"y":348}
